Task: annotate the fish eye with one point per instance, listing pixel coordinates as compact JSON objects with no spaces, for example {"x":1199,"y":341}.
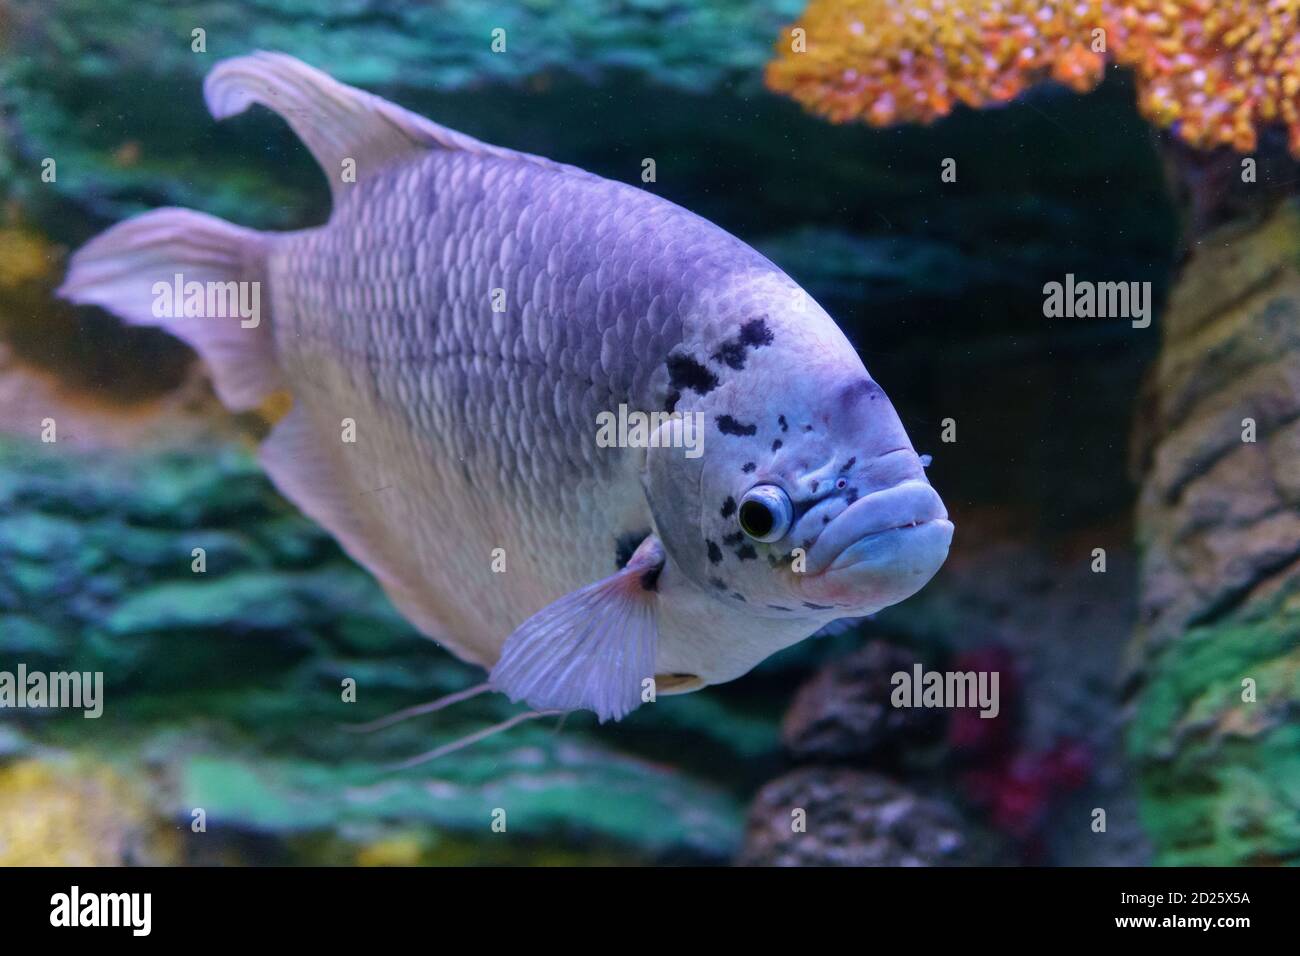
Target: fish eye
{"x":765,"y":513}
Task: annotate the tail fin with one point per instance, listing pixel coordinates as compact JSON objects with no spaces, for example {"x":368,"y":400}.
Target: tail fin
{"x":197,"y":276}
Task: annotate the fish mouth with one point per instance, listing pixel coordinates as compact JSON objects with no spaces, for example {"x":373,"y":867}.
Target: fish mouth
{"x":853,"y":536}
{"x":882,"y":549}
{"x":866,"y":551}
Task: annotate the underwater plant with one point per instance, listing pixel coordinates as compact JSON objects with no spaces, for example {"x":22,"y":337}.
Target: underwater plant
{"x":1213,"y":72}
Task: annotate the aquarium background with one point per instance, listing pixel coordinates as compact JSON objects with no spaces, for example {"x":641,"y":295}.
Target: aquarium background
{"x":1121,"y":690}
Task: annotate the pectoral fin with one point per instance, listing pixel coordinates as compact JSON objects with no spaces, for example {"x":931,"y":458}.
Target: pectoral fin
{"x":592,"y":649}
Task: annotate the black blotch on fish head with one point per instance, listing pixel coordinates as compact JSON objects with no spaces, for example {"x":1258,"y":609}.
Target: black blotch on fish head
{"x":730,"y":354}
{"x":777,"y":607}
{"x":729,"y":507}
{"x":848,"y":464}
{"x":749,"y":467}
{"x":685,"y":372}
{"x":625,"y":546}
{"x":670,"y":402}
{"x":729,"y":426}
{"x":715,"y":553}
{"x":776,"y":445}
{"x":850,"y":496}
{"x":753,"y":334}
{"x":718,"y":583}
{"x":780,"y":420}
{"x":746,"y":552}
{"x":733,"y":539}
{"x":818,"y":607}
{"x":738,"y":596}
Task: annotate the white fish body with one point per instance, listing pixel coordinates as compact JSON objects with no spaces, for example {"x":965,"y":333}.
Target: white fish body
{"x":471,"y":311}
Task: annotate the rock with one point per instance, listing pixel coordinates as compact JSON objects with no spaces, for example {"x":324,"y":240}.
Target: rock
{"x":844,"y":713}
{"x":852,"y":819}
{"x":1214,"y":660}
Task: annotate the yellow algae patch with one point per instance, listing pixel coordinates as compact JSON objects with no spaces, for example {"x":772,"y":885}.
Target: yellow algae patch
{"x":80,"y":814}
{"x":406,"y":850}
{"x":24,"y":257}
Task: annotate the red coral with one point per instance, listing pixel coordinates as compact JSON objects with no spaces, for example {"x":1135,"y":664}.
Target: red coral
{"x":1014,"y":786}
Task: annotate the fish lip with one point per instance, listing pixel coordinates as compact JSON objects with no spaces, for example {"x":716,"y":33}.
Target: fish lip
{"x":840,"y":563}
{"x":909,"y":504}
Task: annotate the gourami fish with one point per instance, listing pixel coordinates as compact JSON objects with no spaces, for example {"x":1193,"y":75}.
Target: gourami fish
{"x":473,"y":312}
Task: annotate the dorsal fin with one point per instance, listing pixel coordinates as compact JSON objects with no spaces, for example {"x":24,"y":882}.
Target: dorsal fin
{"x":339,"y":122}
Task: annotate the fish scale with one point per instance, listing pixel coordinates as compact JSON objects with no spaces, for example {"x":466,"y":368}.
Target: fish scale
{"x":537,"y":485}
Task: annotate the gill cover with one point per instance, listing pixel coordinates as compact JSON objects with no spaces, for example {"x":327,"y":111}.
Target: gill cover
{"x":672,"y":488}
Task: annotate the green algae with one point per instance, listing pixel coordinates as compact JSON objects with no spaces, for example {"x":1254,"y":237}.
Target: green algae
{"x":1220,"y":776}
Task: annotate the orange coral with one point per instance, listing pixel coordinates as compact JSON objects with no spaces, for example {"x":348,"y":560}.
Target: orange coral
{"x":1213,"y":70}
